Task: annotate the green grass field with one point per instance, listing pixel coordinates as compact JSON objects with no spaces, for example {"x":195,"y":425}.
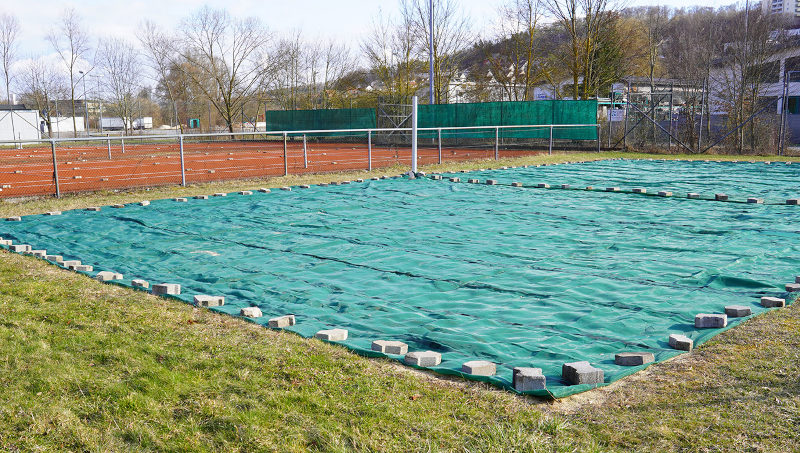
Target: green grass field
{"x":92,"y":367}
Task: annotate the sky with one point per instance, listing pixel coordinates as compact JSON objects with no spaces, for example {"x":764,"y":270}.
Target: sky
{"x":347,"y":21}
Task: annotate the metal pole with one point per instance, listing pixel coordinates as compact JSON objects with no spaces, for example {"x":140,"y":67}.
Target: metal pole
{"x":496,"y":143}
{"x":610,"y":109}
{"x":700,"y":131}
{"x":598,"y":137}
{"x":671,"y":92}
{"x":55,"y":168}
{"x":783,"y":112}
{"x":369,"y":150}
{"x":414,"y":104}
{"x":109,"y":148}
{"x":440,"y":144}
{"x":305,"y":152}
{"x":627,"y":105}
{"x":550,"y":150}
{"x":183,"y":166}
{"x":122,"y":142}
{"x":285,"y":159}
{"x":430,"y":52}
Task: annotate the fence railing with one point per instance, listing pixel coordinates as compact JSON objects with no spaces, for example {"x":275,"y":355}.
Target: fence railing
{"x":64,"y":165}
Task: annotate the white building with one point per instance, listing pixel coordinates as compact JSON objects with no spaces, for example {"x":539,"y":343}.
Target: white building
{"x":63,"y":124}
{"x":18,"y":123}
{"x":781,"y":7}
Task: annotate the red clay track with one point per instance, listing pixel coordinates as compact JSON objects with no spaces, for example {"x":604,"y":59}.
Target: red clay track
{"x":29,"y":171}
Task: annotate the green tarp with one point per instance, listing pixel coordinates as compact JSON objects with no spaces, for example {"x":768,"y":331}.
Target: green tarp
{"x":327,"y":119}
{"x":517,"y":276}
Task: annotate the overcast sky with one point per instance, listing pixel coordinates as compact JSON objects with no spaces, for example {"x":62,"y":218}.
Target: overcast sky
{"x":344,"y":20}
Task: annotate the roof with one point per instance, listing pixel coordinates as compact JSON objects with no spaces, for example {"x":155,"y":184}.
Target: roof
{"x":13,"y":107}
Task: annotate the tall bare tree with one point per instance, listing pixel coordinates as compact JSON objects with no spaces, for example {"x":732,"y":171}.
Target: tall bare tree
{"x":9,"y":32}
{"x":451,"y":35}
{"x":389,"y":48}
{"x":40,"y":84}
{"x":228,"y":56}
{"x":70,"y":40}
{"x":160,"y":53}
{"x":119,"y":61}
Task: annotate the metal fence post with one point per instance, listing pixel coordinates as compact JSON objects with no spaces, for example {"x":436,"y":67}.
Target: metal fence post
{"x":122,"y":142}
{"x":285,"y":159}
{"x":598,"y":137}
{"x":550,"y":149}
{"x":183,"y":166}
{"x":440,"y":144}
{"x":55,"y":168}
{"x":414,"y":104}
{"x":496,"y":143}
{"x":305,"y":152}
{"x":369,"y":150}
{"x":109,"y":148}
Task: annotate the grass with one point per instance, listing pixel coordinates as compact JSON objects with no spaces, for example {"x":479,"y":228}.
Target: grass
{"x":93,"y":367}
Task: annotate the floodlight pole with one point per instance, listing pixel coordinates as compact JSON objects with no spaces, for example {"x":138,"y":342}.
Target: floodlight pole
{"x":430,"y":52}
{"x":414,"y":101}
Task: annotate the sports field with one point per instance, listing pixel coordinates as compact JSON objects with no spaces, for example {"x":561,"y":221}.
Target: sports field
{"x":518,"y":276}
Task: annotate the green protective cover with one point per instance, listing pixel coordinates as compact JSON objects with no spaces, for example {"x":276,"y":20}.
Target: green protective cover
{"x":518,"y":276}
{"x":323,"y":119}
{"x":508,"y":114}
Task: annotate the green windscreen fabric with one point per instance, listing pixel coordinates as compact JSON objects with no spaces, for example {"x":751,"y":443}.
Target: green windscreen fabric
{"x":558,"y":112}
{"x":518,"y":276}
{"x":324,"y":119}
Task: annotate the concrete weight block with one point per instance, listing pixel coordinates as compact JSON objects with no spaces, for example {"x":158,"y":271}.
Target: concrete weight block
{"x":139,"y":283}
{"x":738,"y":311}
{"x":721,"y":197}
{"x":20,"y":248}
{"x":251,"y":312}
{"x":144,"y":203}
{"x":390,"y":347}
{"x":772,"y":302}
{"x":755,"y":200}
{"x":692,"y":195}
{"x":106,"y":276}
{"x":54,"y":258}
{"x":202,"y":300}
{"x":93,"y":208}
{"x":166,"y":288}
{"x":332,"y":335}
{"x":681,"y":342}
{"x":53,"y":213}
{"x":710,"y":321}
{"x":491,"y":182}
{"x":583,"y":372}
{"x":473,"y":181}
{"x":516,"y":184}
{"x":612,"y":189}
{"x":479,"y":368}
{"x":201,"y":197}
{"x":793,"y":201}
{"x":455,"y":179}
{"x":282,"y":321}
{"x":264,"y":190}
{"x":633,"y":358}
{"x":180,"y":200}
{"x":664,"y":193}
{"x":563,"y":186}
{"x":423,"y":358}
{"x":639,"y":190}
{"x":792,"y":287}
{"x":528,"y":379}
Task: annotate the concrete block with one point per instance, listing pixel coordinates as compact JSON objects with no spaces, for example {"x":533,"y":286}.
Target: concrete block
{"x":181,"y":199}
{"x":720,"y":197}
{"x":542,"y":185}
{"x":200,"y":197}
{"x":710,"y":321}
{"x":516,"y":184}
{"x":54,"y":258}
{"x":738,"y":311}
{"x":793,"y":287}
{"x":577,"y":373}
{"x":264,"y":190}
{"x":436,"y":177}
{"x":68,"y":263}
{"x":14,"y":219}
{"x":772,"y":302}
{"x":473,"y":181}
{"x":282,"y":321}
{"x":220,"y":194}
{"x":692,"y":195}
{"x":527,"y":379}
{"x":39,"y":253}
{"x":479,"y":368}
{"x":139,"y":283}
{"x":755,"y":200}
{"x":390,"y":347}
{"x":334,"y":183}
{"x":251,"y":312}
{"x":455,"y":179}
{"x":793,"y":201}
{"x":633,"y":358}
{"x":589,"y":188}
{"x":681,"y":342}
{"x":286,"y":188}
{"x":345,"y":182}
{"x":202,"y":300}
{"x":359,"y":180}
{"x":106,"y":276}
{"x":423,"y":358}
{"x":20,"y":248}
{"x":332,"y":335}
{"x":612,"y":189}
{"x":166,"y":288}
{"x":144,"y":203}
{"x":639,"y":190}
{"x":491,"y":182}
{"x":664,"y":193}
{"x":81,"y":268}
{"x":5,"y":242}
{"x":118,"y":206}
{"x":53,"y":213}
{"x":797,"y":279}
{"x":305,"y":186}
{"x":563,"y":186}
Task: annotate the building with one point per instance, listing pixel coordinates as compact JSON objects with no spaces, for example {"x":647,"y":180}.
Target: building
{"x":781,"y":7}
{"x":18,"y":123}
